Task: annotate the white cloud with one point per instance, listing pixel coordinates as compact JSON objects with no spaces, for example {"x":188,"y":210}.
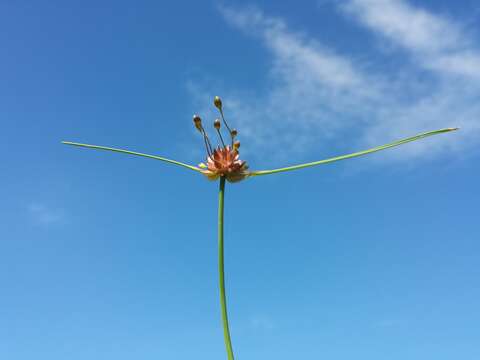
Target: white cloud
{"x":438,"y":42}
{"x":317,"y":97}
{"x":462,"y":62}
{"x":44,"y":215}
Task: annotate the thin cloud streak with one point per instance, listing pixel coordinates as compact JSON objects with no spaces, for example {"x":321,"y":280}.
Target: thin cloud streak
{"x":438,"y":42}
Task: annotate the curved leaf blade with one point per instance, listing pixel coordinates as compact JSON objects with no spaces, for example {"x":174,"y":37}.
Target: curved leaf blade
{"x":352,"y":155}
{"x":132,"y":153}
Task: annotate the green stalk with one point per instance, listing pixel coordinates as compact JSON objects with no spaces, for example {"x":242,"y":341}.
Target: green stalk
{"x":221,"y":272}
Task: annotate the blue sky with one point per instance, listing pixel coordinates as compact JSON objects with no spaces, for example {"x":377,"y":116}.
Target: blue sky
{"x":106,"y":256}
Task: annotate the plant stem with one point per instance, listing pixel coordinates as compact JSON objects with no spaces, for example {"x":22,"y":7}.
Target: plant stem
{"x":221,"y":272}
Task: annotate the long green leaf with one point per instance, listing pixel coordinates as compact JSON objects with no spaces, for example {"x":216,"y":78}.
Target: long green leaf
{"x":348,"y":156}
{"x":132,"y":153}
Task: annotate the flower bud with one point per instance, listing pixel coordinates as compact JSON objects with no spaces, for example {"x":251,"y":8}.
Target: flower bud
{"x":198,"y":122}
{"x":234,"y":132}
{"x":236,"y":145}
{"x":217,"y":102}
{"x":217,"y":124}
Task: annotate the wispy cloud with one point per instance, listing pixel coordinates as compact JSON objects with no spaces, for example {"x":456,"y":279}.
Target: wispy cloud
{"x":44,"y":215}
{"x":438,"y":43}
{"x":317,"y":95}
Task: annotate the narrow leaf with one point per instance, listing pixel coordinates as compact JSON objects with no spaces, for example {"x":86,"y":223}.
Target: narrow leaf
{"x":132,"y":153}
{"x":348,"y":156}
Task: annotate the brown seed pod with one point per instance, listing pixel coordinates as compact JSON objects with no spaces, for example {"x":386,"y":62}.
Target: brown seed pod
{"x":217,"y":102}
{"x":198,"y":122}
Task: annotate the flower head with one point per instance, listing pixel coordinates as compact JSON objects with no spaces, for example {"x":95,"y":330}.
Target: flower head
{"x":224,"y":159}
{"x":225,"y":162}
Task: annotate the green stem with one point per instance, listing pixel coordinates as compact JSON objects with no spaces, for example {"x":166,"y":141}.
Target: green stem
{"x":221,"y":272}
